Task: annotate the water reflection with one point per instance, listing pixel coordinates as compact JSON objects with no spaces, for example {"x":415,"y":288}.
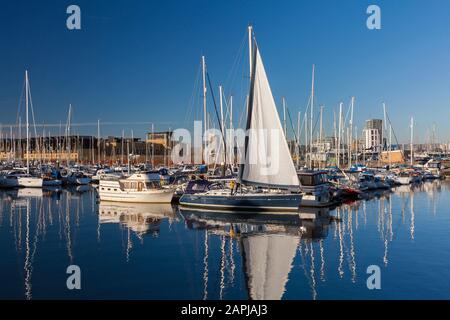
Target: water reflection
{"x":268,"y":245}
{"x":31,"y":212}
{"x":261,"y":256}
{"x":138,"y":218}
{"x":142,"y":219}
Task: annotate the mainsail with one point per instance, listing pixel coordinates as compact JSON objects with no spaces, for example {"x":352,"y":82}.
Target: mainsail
{"x":267,"y":160}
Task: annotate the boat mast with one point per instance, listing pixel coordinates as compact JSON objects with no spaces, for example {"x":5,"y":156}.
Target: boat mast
{"x":121,"y":146}
{"x":390,"y":143}
{"x":27,"y":124}
{"x":321,"y":124}
{"x":339,"y":136}
{"x":311,"y":118}
{"x":58,"y":147}
{"x":351,"y":134}
{"x":412,"y":137}
{"x":128,"y":156}
{"x":231,"y":142}
{"x":68,"y":147}
{"x":12,"y":145}
{"x":284,"y":115}
{"x":250,"y":53}
{"x":298,"y":139}
{"x":205,"y":124}
{"x":334,"y":134}
{"x":222,"y":122}
{"x":20,"y":147}
{"x":305,"y":121}
{"x":357,"y":143}
{"x":98,"y":141}
{"x":250,"y":98}
{"x":153,"y":147}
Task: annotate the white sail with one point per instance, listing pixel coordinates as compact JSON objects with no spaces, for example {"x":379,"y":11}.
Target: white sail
{"x":268,"y":261}
{"x":268,"y":161}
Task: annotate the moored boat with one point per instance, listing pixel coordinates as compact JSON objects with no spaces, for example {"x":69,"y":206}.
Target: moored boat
{"x":259,"y":187}
{"x":316,"y":189}
{"x":139,"y":187}
{"x":19,"y":178}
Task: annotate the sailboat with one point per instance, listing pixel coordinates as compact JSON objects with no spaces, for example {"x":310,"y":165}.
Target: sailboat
{"x":19,"y":178}
{"x":258,"y":187}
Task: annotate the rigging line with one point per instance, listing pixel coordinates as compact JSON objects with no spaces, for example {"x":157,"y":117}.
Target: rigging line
{"x":32,"y":114}
{"x":292,"y":126}
{"x":395,"y":136}
{"x":347,"y":114}
{"x":315,"y":123}
{"x":217,"y":115}
{"x":227,"y":108}
{"x":238,"y":58}
{"x":20,"y":102}
{"x":193,"y":99}
{"x":305,"y":118}
{"x":242,"y":115}
{"x":243,"y":96}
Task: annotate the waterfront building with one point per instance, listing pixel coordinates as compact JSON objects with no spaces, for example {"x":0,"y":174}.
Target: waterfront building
{"x":373,"y":135}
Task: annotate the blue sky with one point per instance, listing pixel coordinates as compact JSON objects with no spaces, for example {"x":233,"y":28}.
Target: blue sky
{"x":137,"y":61}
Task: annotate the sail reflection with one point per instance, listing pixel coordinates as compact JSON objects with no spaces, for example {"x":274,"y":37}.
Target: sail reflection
{"x":226,"y":255}
{"x":268,"y":245}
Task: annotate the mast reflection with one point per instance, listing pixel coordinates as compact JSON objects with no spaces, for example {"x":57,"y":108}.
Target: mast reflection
{"x":141,"y":219}
{"x":268,"y":245}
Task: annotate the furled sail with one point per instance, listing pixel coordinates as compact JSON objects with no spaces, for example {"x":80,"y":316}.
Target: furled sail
{"x":268,"y":161}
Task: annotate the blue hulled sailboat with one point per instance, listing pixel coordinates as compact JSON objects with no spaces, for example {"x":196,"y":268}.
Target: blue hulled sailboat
{"x":267,"y":179}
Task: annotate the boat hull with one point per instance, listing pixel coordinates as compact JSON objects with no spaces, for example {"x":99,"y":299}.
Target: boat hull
{"x":404,"y":180}
{"x":319,"y":201}
{"x":110,"y":191}
{"x":77,"y":180}
{"x":29,"y":182}
{"x":8,"y":183}
{"x":52,"y":183}
{"x":242,"y":203}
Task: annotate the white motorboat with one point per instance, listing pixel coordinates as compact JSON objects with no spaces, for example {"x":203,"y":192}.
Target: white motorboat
{"x":316,"y":189}
{"x":404,"y":178}
{"x":139,"y":187}
{"x":105,"y":174}
{"x":434,"y":168}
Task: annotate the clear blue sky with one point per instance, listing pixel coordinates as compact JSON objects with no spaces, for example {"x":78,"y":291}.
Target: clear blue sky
{"x":137,"y":61}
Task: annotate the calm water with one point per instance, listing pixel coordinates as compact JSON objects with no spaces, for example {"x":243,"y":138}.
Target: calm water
{"x":160,"y":252}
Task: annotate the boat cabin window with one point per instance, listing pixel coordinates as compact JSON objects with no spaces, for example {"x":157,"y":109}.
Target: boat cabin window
{"x":307,"y":180}
{"x":153,"y":185}
{"x":312,"y":180}
{"x":199,"y":186}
